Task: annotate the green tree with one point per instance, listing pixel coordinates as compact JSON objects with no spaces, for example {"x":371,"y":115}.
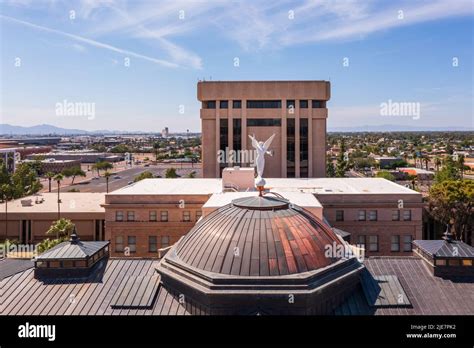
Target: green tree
{"x":61,"y":229}
{"x":171,"y":173}
{"x":58,"y":178}
{"x":330,"y":169}
{"x":49,"y":176}
{"x":102,"y":165}
{"x":341,"y":165}
{"x":449,"y":171}
{"x":452,"y":202}
{"x":121,"y":148}
{"x":143,"y":175}
{"x":156,"y":148}
{"x":460,"y":164}
{"x":7,"y":193}
{"x":191,"y":175}
{"x":385,"y":175}
{"x":25,"y":181}
{"x":73,"y":172}
{"x":107,"y":176}
{"x":437,"y":162}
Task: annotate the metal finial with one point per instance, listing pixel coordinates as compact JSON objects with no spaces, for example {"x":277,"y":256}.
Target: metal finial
{"x":74,"y":237}
{"x":448,"y":236}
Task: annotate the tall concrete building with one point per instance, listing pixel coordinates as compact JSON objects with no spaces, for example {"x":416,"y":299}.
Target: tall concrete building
{"x":295,"y":111}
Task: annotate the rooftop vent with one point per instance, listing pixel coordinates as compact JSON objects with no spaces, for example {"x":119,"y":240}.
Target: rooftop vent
{"x":26,"y":202}
{"x":71,"y":259}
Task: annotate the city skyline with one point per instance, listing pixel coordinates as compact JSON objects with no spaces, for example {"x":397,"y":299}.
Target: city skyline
{"x":372,"y":53}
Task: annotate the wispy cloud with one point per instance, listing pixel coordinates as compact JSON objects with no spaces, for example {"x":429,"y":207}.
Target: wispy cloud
{"x":91,"y":42}
{"x":256,"y":25}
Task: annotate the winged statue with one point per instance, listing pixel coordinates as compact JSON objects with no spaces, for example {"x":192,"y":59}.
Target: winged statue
{"x":262,"y":149}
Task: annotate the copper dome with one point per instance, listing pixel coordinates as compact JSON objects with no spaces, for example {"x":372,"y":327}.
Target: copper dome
{"x":258,"y":236}
{"x":253,"y":255}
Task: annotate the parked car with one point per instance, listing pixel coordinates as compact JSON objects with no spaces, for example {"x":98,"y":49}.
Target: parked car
{"x":117,"y":177}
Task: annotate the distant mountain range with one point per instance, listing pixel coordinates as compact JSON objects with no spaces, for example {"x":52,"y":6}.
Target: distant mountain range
{"x":46,"y":129}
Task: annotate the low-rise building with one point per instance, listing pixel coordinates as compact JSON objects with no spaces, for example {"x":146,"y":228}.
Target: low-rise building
{"x":29,"y":218}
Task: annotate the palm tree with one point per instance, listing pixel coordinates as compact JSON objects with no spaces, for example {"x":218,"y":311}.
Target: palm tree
{"x":58,"y":178}
{"x":437,"y":161}
{"x":415,"y":156}
{"x":49,"y":176}
{"x":107,"y":175}
{"x":461,"y":165}
{"x":427,"y":161}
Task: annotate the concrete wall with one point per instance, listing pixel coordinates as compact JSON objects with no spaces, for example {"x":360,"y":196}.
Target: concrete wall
{"x":384,"y":227}
{"x":266,"y":90}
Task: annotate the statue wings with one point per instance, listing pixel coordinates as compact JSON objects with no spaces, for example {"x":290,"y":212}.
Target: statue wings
{"x":254,"y":141}
{"x":266,"y":145}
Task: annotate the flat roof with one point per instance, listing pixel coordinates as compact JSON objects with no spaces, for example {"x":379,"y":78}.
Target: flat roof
{"x":72,"y":202}
{"x":305,"y":200}
{"x":184,"y":186}
{"x":261,"y":81}
{"x":200,"y":186}
{"x":338,"y":186}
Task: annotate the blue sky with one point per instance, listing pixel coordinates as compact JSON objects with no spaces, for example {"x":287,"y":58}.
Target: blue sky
{"x":397,"y":50}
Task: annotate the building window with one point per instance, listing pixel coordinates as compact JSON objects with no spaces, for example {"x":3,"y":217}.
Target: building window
{"x":361,"y":216}
{"x":373,"y":243}
{"x":263,"y":122}
{"x":224,"y":139}
{"x":304,"y":148}
{"x":152,"y":244}
{"x":467,"y":262}
{"x":372,"y":215}
{"x":130,"y":216}
{"x":361,"y":241}
{"x":407,"y":243}
{"x":132,"y":243}
{"x":407,"y":215}
{"x":198,"y":214}
{"x":440,"y":262}
{"x":303,"y":104}
{"x":395,"y":215}
{"x":119,"y":216}
{"x":339,"y":215}
{"x":118,"y":244}
{"x":164,"y":216}
{"x":290,"y":104}
{"x":453,"y":262}
{"x":395,"y":243}
{"x":237,"y":104}
{"x":210,"y":104}
{"x":263,"y":104}
{"x":237,"y":135}
{"x":165,"y":241}
{"x":224,"y":104}
{"x":317,"y":104}
{"x":186,"y":216}
{"x":290,"y":148}
{"x":152,"y":216}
